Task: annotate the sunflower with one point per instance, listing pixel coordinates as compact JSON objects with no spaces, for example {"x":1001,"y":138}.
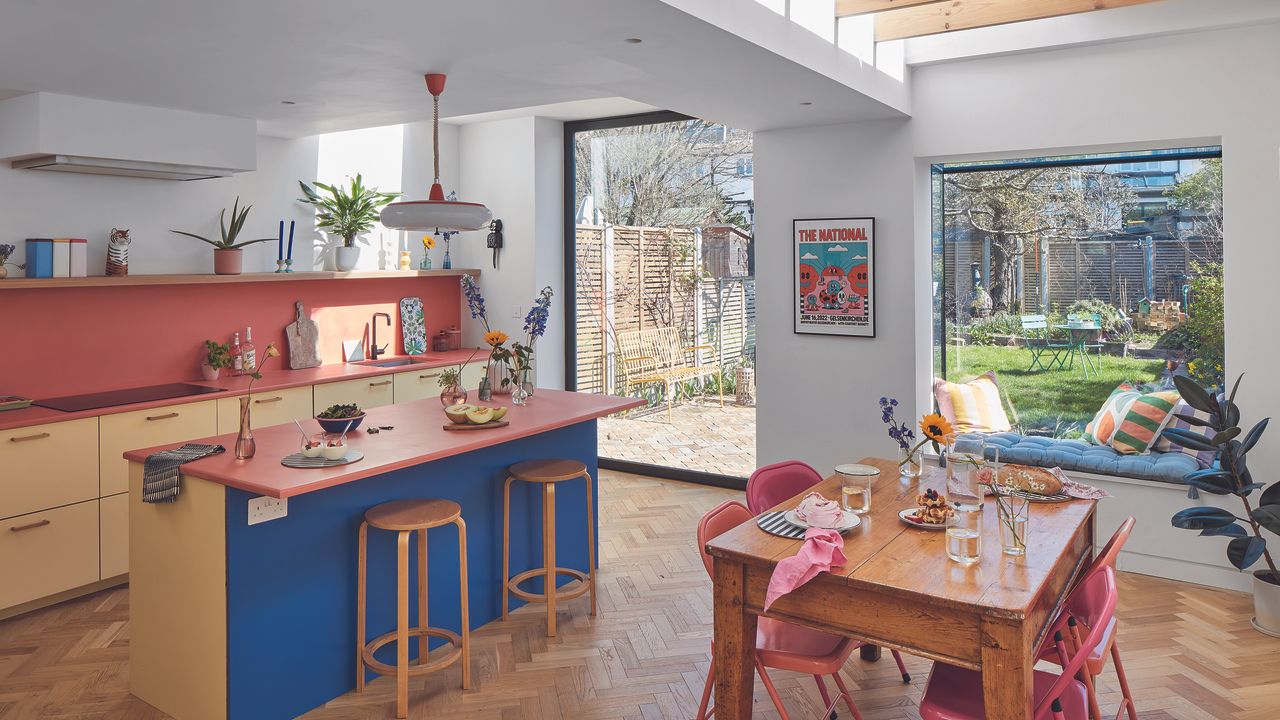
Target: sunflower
{"x":428,"y":242}
{"x":495,"y":337}
{"x":936,"y":428}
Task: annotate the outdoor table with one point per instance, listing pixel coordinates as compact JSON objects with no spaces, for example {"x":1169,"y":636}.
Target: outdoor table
{"x":899,"y":589}
{"x":1078,"y":336}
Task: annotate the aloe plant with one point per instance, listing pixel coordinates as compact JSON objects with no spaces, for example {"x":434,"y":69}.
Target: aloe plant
{"x":229,"y":232}
{"x":1230,"y":476}
{"x":346,"y":211}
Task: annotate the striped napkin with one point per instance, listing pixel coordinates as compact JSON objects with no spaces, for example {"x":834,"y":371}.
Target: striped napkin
{"x":160,"y":476}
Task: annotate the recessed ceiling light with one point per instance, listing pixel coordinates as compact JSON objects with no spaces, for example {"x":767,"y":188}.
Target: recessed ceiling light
{"x":634,"y":41}
{"x":288,"y":102}
{"x":805,"y":102}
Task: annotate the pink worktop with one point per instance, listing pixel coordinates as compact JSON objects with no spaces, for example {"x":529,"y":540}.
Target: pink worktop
{"x":419,"y":436}
{"x":273,"y":378}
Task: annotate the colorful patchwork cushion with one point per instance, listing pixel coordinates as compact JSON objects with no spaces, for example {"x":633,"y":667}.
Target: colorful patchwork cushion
{"x":1143,"y":421}
{"x":1205,"y":458}
{"x":1104,"y":424}
{"x":973,"y":406}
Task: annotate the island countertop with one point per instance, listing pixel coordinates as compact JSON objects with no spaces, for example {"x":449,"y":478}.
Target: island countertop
{"x":418,"y":437}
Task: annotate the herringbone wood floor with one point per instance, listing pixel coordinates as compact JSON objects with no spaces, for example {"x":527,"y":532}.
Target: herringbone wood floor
{"x":1189,"y":651}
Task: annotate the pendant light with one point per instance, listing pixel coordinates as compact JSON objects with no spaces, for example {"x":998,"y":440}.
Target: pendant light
{"x":435,"y":213}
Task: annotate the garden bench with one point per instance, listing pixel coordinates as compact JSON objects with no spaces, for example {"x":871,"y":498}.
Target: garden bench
{"x":1039,"y":343}
{"x":657,"y":356}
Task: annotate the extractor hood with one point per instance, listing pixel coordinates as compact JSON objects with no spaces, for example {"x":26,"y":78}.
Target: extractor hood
{"x":125,"y":168}
{"x":46,"y":131}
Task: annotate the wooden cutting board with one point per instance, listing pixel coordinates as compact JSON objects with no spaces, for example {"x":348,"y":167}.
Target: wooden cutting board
{"x":304,"y":340}
{"x":486,"y":426}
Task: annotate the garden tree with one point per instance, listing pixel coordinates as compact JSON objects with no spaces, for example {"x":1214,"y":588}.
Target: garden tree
{"x":1200,"y":194}
{"x":660,"y":175}
{"x":1015,"y":207}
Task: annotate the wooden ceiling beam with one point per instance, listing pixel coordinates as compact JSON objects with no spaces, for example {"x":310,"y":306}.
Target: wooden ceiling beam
{"x":848,"y":8}
{"x":952,"y":15}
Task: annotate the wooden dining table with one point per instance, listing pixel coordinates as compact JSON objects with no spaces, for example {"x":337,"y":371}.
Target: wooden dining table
{"x":898,"y":589}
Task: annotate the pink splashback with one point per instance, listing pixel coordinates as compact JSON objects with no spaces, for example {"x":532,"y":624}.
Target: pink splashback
{"x":64,"y":341}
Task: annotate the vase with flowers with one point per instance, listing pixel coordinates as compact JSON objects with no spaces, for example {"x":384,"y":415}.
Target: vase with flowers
{"x":5,"y":252}
{"x":535,"y":326}
{"x":451,"y":390}
{"x":428,"y":244}
{"x":498,"y":368}
{"x":246,"y":446}
{"x":910,"y":464}
{"x":936,"y":431}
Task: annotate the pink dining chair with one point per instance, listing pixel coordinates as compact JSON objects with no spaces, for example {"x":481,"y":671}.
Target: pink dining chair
{"x":779,"y":645}
{"x":955,"y":693}
{"x":774,"y":483}
{"x":1097,"y":661}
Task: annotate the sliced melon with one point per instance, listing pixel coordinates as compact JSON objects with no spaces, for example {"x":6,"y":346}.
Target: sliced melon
{"x":499,"y":413}
{"x":458,"y":413}
{"x":479,"y":415}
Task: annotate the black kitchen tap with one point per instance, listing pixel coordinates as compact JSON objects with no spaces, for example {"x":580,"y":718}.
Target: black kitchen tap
{"x":376,"y":351}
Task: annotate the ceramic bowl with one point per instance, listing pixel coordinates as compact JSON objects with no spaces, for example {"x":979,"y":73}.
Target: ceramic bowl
{"x":334,"y":452}
{"x":337,"y":425}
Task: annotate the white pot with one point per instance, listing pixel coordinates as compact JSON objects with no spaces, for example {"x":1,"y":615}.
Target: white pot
{"x":1266,"y":605}
{"x":499,"y":371}
{"x":346,"y":258}
{"x":210,"y":373}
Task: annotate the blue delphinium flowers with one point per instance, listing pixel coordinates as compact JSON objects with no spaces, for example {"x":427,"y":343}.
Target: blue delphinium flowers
{"x":899,"y":432}
{"x":475,"y":301}
{"x":535,"y":322}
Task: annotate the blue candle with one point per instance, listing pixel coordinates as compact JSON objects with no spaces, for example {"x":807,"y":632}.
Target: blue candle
{"x":290,"y":255}
{"x":280,"y":242}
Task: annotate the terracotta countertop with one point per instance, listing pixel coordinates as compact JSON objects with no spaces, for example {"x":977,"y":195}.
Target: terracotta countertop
{"x":419,"y":436}
{"x":272,"y":379}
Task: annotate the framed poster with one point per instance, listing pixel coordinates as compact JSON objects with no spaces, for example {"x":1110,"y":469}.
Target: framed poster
{"x":834,"y":276}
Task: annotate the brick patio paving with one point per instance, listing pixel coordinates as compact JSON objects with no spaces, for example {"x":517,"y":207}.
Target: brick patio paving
{"x":702,"y":436}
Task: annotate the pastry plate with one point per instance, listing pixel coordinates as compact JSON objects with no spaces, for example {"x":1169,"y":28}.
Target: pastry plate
{"x":908,"y":516}
{"x":848,"y":522}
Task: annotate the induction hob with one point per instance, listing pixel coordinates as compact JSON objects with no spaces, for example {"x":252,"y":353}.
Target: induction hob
{"x":128,"y":396}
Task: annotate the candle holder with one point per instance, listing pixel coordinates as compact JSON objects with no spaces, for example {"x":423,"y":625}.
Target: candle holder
{"x":288,"y":265}
{"x":280,"y":266}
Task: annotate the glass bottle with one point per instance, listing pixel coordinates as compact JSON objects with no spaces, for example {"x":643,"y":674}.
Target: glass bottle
{"x":485,"y":391}
{"x":249,"y":353}
{"x":237,"y":359}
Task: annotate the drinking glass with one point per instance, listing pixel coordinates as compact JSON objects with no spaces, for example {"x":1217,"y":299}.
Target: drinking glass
{"x":855,"y":487}
{"x":964,"y":534}
{"x":965,"y":461}
{"x":1013,"y":512}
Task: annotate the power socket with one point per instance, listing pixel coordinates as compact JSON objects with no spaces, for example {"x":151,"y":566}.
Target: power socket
{"x":262,"y":509}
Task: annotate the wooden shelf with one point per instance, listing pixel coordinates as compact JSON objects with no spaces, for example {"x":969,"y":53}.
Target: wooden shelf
{"x":105,"y":281}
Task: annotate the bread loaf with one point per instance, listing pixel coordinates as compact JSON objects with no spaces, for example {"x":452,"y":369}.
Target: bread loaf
{"x":1031,"y":479}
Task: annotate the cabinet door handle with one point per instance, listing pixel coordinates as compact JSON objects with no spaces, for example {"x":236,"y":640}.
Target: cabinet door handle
{"x":24,"y":438}
{"x":277,"y":398}
{"x":165,"y":416}
{"x":379,"y":384}
{"x":30,"y":526}
{"x":428,"y":376}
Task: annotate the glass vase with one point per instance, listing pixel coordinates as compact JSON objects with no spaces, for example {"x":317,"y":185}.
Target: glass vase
{"x":246,"y":446}
{"x":447,"y":264}
{"x":453,"y":394}
{"x":524,"y":379}
{"x":1013,"y":513}
{"x":485,"y":390}
{"x":500,"y":377}
{"x":426,"y":262}
{"x":911,"y":463}
{"x":519,"y":396}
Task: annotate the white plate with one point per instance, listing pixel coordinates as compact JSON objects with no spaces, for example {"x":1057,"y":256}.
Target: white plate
{"x":849,"y":521}
{"x":908,"y":516}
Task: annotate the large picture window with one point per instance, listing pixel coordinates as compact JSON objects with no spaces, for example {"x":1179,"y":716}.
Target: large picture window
{"x":1070,"y":276}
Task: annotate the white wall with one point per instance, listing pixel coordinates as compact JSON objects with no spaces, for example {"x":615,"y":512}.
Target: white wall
{"x":54,"y":204}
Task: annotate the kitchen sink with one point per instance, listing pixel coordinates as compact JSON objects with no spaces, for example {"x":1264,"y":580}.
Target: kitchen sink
{"x":399,"y":361}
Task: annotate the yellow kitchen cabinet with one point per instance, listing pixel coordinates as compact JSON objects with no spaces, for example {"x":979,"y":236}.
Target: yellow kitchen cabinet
{"x":45,"y":466}
{"x":471,"y":375}
{"x":145,"y":428}
{"x":47,"y":552}
{"x":417,"y":384}
{"x":113,"y":517}
{"x":365,"y":392}
{"x":269,"y":407}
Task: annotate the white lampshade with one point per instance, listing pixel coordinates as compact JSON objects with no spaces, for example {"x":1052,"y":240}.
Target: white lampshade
{"x":431,"y":215}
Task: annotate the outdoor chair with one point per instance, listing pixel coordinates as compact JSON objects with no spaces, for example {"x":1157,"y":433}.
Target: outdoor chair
{"x":1036,"y":328}
{"x":656,"y":356}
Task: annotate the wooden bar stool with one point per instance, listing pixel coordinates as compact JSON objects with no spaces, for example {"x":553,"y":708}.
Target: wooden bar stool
{"x":406,"y":517}
{"x":547,"y":473}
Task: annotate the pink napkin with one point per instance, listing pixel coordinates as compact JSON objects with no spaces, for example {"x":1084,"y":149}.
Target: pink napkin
{"x":822,"y":550}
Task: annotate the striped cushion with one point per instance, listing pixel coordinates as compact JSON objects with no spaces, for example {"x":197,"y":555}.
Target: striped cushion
{"x":1145,"y":418}
{"x":1205,"y":458}
{"x":973,"y":406}
{"x":1104,"y":424}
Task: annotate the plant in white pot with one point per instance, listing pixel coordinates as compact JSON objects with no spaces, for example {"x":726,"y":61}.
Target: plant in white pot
{"x":346,"y":212}
{"x":228,"y":255}
{"x":217,"y":357}
{"x":1231,"y":476}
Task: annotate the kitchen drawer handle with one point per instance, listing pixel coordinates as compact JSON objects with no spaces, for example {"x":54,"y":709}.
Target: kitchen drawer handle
{"x":277,"y":398}
{"x":379,"y":384}
{"x":24,"y":438}
{"x":429,"y":375}
{"x":165,"y":416}
{"x":30,"y":526}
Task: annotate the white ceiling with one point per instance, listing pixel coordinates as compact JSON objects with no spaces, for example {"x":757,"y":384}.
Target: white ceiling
{"x":360,"y":64}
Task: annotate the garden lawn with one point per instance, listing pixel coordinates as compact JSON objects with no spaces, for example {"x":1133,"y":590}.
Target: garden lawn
{"x":1058,"y":402}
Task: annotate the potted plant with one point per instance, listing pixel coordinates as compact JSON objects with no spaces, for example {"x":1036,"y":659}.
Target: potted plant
{"x":346,"y":212}
{"x":5,"y":252}
{"x":228,"y":258}
{"x":1231,"y":476}
{"x":217,"y":357}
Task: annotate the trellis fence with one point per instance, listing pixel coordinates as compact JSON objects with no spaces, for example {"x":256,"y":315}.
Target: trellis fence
{"x":635,"y":278}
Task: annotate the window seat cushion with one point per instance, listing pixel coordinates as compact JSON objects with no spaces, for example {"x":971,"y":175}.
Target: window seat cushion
{"x":1168,"y":467}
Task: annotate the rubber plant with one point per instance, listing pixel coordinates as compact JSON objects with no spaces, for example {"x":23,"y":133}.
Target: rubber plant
{"x":346,"y":211}
{"x":231,"y":232}
{"x":1229,"y":476}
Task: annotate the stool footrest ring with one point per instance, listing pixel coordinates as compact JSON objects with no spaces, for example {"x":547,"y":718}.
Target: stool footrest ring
{"x":514,"y":584}
{"x":416,"y":667}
